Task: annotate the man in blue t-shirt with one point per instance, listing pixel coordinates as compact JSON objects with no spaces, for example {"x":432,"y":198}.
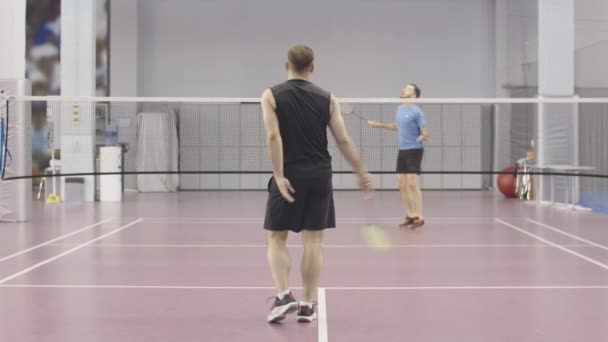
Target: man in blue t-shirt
{"x":412,"y":131}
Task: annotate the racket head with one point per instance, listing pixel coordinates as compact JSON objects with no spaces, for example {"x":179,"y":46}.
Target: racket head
{"x":350,"y":110}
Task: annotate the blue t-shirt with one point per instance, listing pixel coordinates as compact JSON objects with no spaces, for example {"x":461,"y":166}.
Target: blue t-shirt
{"x":410,"y":122}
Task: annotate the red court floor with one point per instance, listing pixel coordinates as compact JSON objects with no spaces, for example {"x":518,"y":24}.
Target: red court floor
{"x":191,"y":266}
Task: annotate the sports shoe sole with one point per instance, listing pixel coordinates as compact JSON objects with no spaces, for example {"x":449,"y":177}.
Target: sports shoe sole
{"x":282,"y":312}
{"x":307,"y":319}
{"x":408,"y":222}
{"x":417,"y":225}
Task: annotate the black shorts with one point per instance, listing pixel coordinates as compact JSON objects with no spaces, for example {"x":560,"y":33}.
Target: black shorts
{"x":409,"y":161}
{"x":313,"y":208}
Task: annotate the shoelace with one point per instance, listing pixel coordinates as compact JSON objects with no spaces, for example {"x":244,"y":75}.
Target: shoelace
{"x":315,"y":304}
{"x":275,"y":298}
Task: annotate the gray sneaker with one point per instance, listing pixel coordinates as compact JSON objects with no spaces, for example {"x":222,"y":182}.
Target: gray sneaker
{"x":281,"y":308}
{"x":418,"y":222}
{"x":307,"y":314}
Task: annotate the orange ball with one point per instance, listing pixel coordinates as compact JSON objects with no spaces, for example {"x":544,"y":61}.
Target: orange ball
{"x":506,"y":182}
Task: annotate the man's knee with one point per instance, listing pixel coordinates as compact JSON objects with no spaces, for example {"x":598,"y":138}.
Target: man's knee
{"x":312,"y":239}
{"x":402,"y":180}
{"x":276,"y":237}
{"x":411,"y":181}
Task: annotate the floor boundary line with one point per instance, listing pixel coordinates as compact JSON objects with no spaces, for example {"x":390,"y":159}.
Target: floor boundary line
{"x":381,"y":222}
{"x":322,"y":319}
{"x":327,"y":288}
{"x":337,"y":246}
{"x":572,"y":236}
{"x":339,"y":219}
{"x":562,"y":248}
{"x":46,"y":243}
{"x":60,"y":255}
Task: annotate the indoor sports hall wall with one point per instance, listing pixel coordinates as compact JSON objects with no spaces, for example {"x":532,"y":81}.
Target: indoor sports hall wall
{"x":365,"y":48}
{"x":236,"y":48}
{"x":517,"y":47}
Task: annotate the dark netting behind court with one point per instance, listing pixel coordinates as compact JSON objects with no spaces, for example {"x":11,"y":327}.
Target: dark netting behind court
{"x":227,"y":137}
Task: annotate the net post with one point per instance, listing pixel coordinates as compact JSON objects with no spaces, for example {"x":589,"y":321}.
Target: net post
{"x":540,"y":149}
{"x":15,"y":195}
{"x":4,"y":110}
{"x":576,"y":141}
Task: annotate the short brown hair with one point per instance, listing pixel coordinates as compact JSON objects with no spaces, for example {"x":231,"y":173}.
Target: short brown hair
{"x":417,"y":90}
{"x":301,"y":57}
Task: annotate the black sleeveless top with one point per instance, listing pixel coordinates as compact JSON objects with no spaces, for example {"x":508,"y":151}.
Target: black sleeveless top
{"x":303,"y":111}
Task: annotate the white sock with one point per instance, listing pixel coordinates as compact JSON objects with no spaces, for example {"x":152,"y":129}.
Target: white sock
{"x":283,"y":294}
{"x":307,"y":304}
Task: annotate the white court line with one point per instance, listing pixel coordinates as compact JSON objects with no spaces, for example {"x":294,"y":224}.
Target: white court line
{"x":53,"y":240}
{"x":567,"y":250}
{"x":42,"y":263}
{"x":456,"y":288}
{"x":332,"y":288}
{"x":143,"y":287}
{"x":258,"y":218}
{"x":110,"y":245}
{"x":339,"y":222}
{"x":256,"y":100}
{"x":344,"y":219}
{"x":322,"y":315}
{"x":572,"y":236}
{"x":236,"y":224}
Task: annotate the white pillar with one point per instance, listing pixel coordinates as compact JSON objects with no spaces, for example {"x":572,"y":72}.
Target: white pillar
{"x":12,"y":39}
{"x":124,"y":33}
{"x":78,"y":53}
{"x":501,"y":47}
{"x":555,"y":79}
{"x":15,"y":196}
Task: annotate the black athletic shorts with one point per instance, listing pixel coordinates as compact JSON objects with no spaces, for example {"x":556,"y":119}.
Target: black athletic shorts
{"x":409,"y":161}
{"x":313,"y":208}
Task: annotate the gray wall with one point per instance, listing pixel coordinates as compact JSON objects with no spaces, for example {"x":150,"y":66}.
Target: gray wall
{"x":123,"y":48}
{"x":235,"y":48}
{"x":517,"y":44}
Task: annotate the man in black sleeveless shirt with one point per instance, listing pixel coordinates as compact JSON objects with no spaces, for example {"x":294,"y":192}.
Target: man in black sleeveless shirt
{"x":297,"y":114}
